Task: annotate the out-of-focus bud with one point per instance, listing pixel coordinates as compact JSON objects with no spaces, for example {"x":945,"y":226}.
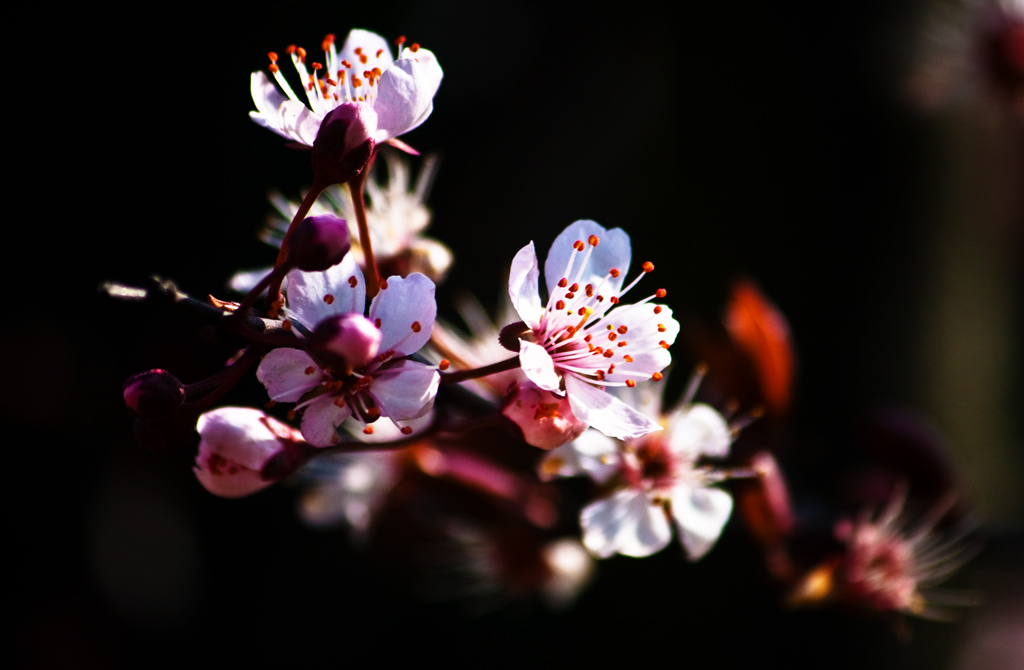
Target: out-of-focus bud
{"x":344,"y":143}
{"x":345,"y":342}
{"x":155,"y":394}
{"x":571,"y":567}
{"x":545,"y":419}
{"x":318,"y":243}
{"x":242,"y":451}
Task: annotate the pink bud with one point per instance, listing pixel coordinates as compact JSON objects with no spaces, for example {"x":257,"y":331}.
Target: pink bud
{"x":546,"y":420}
{"x":344,"y":143}
{"x":318,"y":243}
{"x":236,"y":444}
{"x":155,"y":394}
{"x":345,"y":342}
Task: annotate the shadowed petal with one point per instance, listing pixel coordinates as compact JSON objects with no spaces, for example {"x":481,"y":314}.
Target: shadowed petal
{"x":406,"y":390}
{"x":605,"y":412}
{"x":308,"y":291}
{"x":320,"y":421}
{"x":538,"y":366}
{"x":700,"y":514}
{"x":613,"y":251}
{"x":625,"y":523}
{"x":288,"y":373}
{"x":406,"y":309}
{"x":698,"y":431}
{"x":523,"y":288}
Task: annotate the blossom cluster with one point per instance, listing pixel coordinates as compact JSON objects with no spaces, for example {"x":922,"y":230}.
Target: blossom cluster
{"x":368,"y":392}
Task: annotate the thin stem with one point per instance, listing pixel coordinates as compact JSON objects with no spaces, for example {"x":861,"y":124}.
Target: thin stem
{"x":476,"y":373}
{"x":226,"y":379}
{"x":355,"y":188}
{"x":436,"y":433}
{"x":274,"y":296}
{"x":277,"y":273}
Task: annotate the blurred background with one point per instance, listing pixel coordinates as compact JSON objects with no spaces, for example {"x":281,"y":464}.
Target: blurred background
{"x":857,"y":162}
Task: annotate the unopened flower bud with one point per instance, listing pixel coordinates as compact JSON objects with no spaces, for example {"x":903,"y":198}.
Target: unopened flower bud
{"x":318,"y":243}
{"x":237,"y":444}
{"x":345,"y":342}
{"x":344,"y":143}
{"x":545,"y":419}
{"x":154,"y":395}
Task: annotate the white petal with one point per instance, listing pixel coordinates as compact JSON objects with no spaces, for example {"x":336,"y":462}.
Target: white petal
{"x":697,"y":431}
{"x":307,"y":292}
{"x":700,"y":514}
{"x":538,"y":366}
{"x":592,"y":453}
{"x":406,"y":390}
{"x":239,"y":434}
{"x":625,"y":523}
{"x":605,"y":412}
{"x":287,"y":375}
{"x":299,"y":123}
{"x":320,"y":421}
{"x":406,"y":309}
{"x":405,"y":96}
{"x":370,"y":44}
{"x":612,"y":251}
{"x":523,"y":288}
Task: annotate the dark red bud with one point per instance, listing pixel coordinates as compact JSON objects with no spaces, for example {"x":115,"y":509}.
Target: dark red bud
{"x":318,"y":243}
{"x":155,"y":394}
{"x":344,"y":144}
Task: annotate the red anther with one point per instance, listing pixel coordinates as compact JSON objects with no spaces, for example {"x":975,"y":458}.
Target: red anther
{"x":600,"y":375}
{"x":401,"y":40}
{"x":598,"y":350}
{"x":590,"y":290}
{"x":329,"y":38}
{"x":326,"y":44}
{"x":600,"y":298}
{"x":613,"y":300}
{"x":273,"y":68}
{"x":414,"y":47}
{"x":657,"y":376}
{"x":379,"y":52}
{"x":664,"y":344}
{"x":363,"y":59}
{"x":443,"y":365}
{"x":570,"y":330}
{"x":578,"y":245}
{"x":661,"y":293}
{"x":368,"y":430}
{"x":560,"y":304}
{"x":611,"y":337}
{"x":329,"y":299}
{"x":563,"y":282}
{"x":614,"y":272}
{"x":416,"y":327}
{"x":657,"y":309}
{"x":575,"y":287}
{"x":376,"y":322}
{"x":290,"y":49}
{"x":570,"y":295}
{"x":373,"y":413}
{"x":310,"y":370}
{"x":648,"y":266}
{"x":345,"y":63}
{"x":630,"y":383}
{"x":406,"y":430}
{"x":272,"y":56}
{"x":609,"y":353}
{"x":588,"y":338}
{"x":269,"y":404}
{"x":317,"y":66}
{"x":352,"y":281}
{"x":593,"y":239}
{"x":331,"y":82}
{"x":376,"y":71}
{"x":368,"y":74}
{"x":581,"y":311}
{"x":611,"y":369}
{"x":623,"y":343}
{"x":301,"y":53}
{"x":356,"y":82}
{"x":627,"y":358}
{"x":622,"y":329}
{"x":661,"y":328}
{"x":287,"y":325}
{"x":383,"y":284}
{"x":290,"y":415}
{"x":358,"y":51}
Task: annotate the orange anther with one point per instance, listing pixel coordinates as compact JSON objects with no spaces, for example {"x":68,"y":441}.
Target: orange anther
{"x":379,"y":52}
{"x":414,"y":47}
{"x":657,"y":309}
{"x":614,"y":272}
{"x":383,"y":284}
{"x":300,"y":52}
{"x":345,"y":63}
{"x":622,"y":329}
{"x":623,"y":343}
{"x":444,"y":364}
{"x":329,"y":299}
{"x":611,"y":337}
{"x":593,"y":240}
{"x":560,"y":304}
{"x":661,"y":328}
{"x":363,"y":59}
{"x":358,"y":51}
{"x":356,"y":82}
{"x":627,"y":358}
{"x":575,"y":287}
{"x":663,"y":344}
{"x":613,"y":300}
{"x":661,"y":293}
{"x":401,"y":40}
{"x":368,"y":430}
{"x":273,"y":68}
{"x":581,"y":311}
{"x":609,"y":353}
{"x":648,"y":266}
{"x":406,"y":430}
{"x":563,"y":282}
{"x":578,"y":245}
{"x":376,"y":71}
{"x":630,"y":383}
{"x":657,"y":376}
{"x":290,"y":49}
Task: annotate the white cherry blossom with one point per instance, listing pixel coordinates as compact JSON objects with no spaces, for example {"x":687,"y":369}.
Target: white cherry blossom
{"x":383,"y":384}
{"x":584,"y":339}
{"x":399,"y":93}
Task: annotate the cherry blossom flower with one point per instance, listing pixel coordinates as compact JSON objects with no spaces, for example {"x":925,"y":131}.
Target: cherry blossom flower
{"x":583,"y":340}
{"x":236,"y":443}
{"x":356,"y":365}
{"x":651,"y":481}
{"x":397,"y":95}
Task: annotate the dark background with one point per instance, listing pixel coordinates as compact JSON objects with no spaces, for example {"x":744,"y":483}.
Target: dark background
{"x":727,"y":138}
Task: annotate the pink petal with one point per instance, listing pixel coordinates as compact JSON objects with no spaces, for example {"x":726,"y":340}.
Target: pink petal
{"x":539,"y":368}
{"x":605,"y":412}
{"x":700,"y":514}
{"x":625,"y":523}
{"x":406,"y":390}
{"x":406,"y":310}
{"x":299,"y":123}
{"x":308,"y":292}
{"x":612,"y":251}
{"x":320,"y":421}
{"x":523,"y":288}
{"x":405,"y":95}
{"x":288,"y":373}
